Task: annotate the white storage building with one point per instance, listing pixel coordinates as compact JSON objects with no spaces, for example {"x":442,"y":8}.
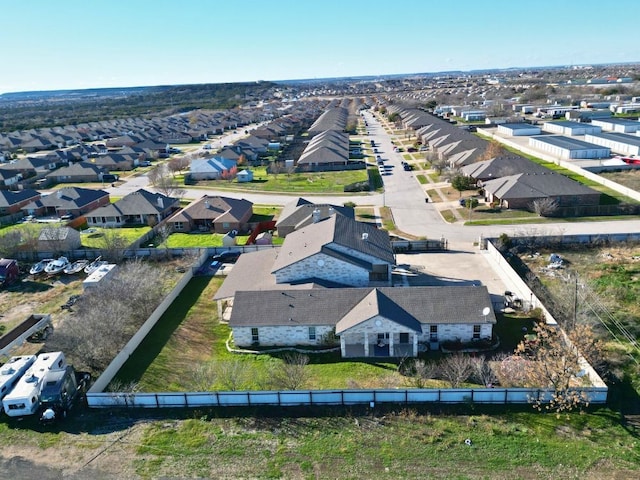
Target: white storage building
{"x":568,"y":148}
{"x":569,"y":128}
{"x":518,"y":129}
{"x":617,"y":125}
{"x":618,"y":142}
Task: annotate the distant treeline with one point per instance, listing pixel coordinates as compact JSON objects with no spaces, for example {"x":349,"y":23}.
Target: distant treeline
{"x":48,"y":109}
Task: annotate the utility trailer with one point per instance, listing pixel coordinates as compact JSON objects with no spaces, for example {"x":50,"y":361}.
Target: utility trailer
{"x":35,"y":324}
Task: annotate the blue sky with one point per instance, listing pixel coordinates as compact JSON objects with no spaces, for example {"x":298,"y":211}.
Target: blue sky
{"x":68,"y":44}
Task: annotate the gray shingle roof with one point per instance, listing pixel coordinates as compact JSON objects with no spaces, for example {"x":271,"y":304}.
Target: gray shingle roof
{"x":535,"y":185}
{"x":339,"y":230}
{"x":347,"y":307}
{"x":299,"y":213}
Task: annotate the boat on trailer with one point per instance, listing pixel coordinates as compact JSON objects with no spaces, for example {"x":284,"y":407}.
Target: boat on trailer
{"x":57,"y":266}
{"x":76,"y":267}
{"x":95,"y":265}
{"x":39,"y":267}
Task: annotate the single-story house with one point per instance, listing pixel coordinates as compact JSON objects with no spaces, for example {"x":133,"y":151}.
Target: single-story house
{"x":213,"y":214}
{"x":212,"y":168}
{"x":501,"y":167}
{"x":74,"y":201}
{"x":137,"y":208}
{"x":13,"y":201}
{"x":9,"y":178}
{"x":76,"y":173}
{"x":521,"y":190}
{"x":58,"y":239}
{"x":370,"y":322}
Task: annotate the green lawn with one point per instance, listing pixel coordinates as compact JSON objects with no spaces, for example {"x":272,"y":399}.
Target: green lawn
{"x":422,"y":179}
{"x":393,"y":443}
{"x":100,"y":237}
{"x":320,"y":182}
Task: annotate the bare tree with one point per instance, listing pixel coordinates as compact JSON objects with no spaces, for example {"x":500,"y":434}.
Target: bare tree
{"x":275,"y":168}
{"x":419,"y":371}
{"x":482,"y":371}
{"x":555,"y":362}
{"x":456,"y":369}
{"x":107,"y":316}
{"x":177,"y":164}
{"x":163,"y":232}
{"x":493,"y":150}
{"x":10,"y":243}
{"x":233,"y":374}
{"x":508,"y":370}
{"x":113,"y":244}
{"x":292,"y":373}
{"x":165,"y":183}
{"x":545,"y":207}
{"x":202,"y":377}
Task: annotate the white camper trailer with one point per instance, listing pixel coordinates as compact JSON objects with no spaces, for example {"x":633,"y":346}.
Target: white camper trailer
{"x":11,"y":372}
{"x":24,"y":399}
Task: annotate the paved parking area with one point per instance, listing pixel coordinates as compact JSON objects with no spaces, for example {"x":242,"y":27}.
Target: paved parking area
{"x":450,"y":268}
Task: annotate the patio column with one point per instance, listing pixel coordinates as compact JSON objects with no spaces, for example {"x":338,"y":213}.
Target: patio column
{"x":343,"y":346}
{"x":366,"y":344}
{"x":391,"y":345}
{"x":415,"y":345}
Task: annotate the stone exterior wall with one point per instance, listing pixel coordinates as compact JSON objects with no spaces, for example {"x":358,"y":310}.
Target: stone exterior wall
{"x":332,"y":269}
{"x":281,"y":335}
{"x":458,"y":331}
{"x":371,"y":327}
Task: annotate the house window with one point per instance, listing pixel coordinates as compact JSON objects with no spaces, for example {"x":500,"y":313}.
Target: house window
{"x":476,"y":332}
{"x":312,"y":333}
{"x":226,"y":225}
{"x":178,"y":226}
{"x":383,"y":336}
{"x":433,"y":333}
{"x":404,"y":338}
{"x":254,"y":335}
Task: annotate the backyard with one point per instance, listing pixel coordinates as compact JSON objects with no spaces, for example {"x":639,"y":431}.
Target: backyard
{"x":190,"y":334}
{"x":302,"y":182}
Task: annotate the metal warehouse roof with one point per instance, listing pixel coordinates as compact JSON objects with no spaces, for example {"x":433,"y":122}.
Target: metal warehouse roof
{"x":519,"y":126}
{"x":568,"y":143}
{"x":619,"y":137}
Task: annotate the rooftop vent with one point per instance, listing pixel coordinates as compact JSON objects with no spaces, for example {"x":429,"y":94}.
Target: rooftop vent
{"x":365,"y":236}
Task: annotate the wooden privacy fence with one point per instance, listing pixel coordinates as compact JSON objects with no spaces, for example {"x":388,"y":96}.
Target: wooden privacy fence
{"x":294,"y":398}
